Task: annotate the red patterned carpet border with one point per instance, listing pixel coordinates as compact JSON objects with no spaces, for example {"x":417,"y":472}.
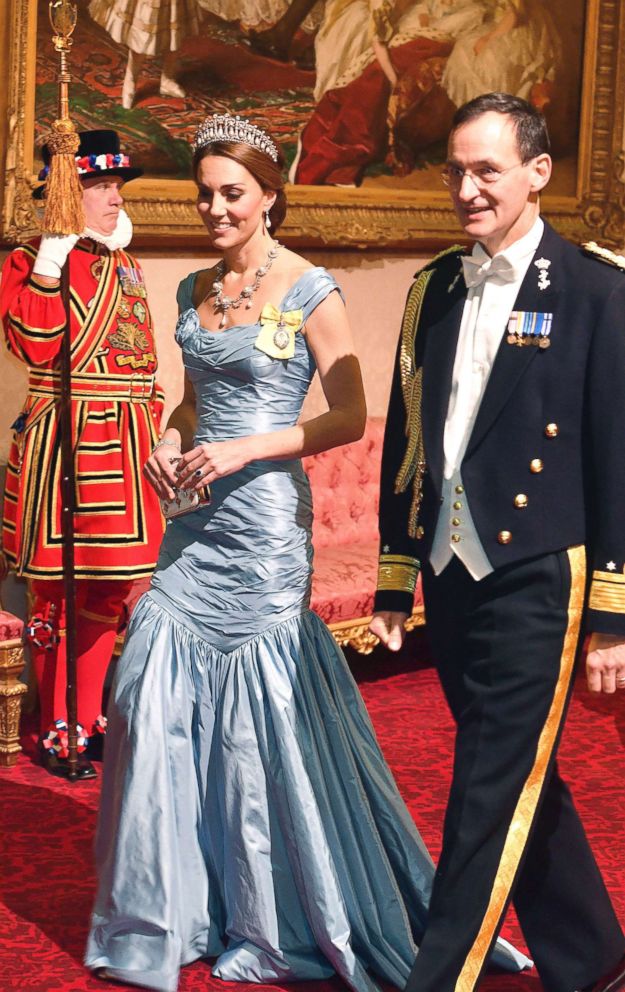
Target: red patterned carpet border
{"x":47,"y":827}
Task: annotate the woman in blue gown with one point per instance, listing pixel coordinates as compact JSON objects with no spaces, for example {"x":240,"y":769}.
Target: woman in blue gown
{"x":247,"y":812}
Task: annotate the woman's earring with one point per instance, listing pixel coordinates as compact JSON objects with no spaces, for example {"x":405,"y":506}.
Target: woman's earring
{"x":267,"y":221}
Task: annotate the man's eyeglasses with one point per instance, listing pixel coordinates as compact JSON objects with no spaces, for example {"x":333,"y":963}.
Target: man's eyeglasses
{"x":485,"y":175}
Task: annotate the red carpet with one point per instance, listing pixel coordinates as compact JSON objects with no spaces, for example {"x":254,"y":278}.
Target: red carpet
{"x":47,"y":828}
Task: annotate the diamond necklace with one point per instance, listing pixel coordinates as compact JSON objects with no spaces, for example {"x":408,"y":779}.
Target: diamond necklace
{"x":225,"y":303}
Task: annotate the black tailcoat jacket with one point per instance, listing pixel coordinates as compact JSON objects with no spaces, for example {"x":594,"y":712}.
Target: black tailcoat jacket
{"x":544,"y":468}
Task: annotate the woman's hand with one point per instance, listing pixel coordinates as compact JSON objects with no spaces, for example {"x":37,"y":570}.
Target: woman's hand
{"x":160,"y":469}
{"x":210,"y":461}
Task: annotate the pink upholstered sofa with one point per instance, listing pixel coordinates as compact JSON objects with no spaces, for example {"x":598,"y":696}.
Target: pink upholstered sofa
{"x":345,"y":487}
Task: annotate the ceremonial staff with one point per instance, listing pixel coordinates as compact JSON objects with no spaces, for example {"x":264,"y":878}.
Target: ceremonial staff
{"x":64,"y":215}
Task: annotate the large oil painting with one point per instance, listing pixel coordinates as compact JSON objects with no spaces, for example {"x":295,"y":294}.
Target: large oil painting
{"x":359,"y":93}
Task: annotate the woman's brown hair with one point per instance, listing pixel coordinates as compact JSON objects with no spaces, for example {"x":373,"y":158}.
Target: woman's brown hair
{"x":267,"y":173}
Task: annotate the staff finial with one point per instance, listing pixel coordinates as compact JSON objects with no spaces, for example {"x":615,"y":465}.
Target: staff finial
{"x":64,"y":212}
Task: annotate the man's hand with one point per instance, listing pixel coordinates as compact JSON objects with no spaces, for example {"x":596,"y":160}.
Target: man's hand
{"x":605,"y":663}
{"x":390,"y":627}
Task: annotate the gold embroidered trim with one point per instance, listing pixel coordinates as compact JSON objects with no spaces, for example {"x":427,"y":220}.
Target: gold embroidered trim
{"x":413,"y":464}
{"x":398,"y":573}
{"x":614,"y":577}
{"x":382,"y":18}
{"x":29,"y":250}
{"x":94,"y":324}
{"x":92,"y":386}
{"x":90,"y":572}
{"x":604,"y":254}
{"x":607,"y":592}
{"x":35,"y":333}
{"x":528,"y":800}
{"x":99,"y":617}
{"x":39,"y":290}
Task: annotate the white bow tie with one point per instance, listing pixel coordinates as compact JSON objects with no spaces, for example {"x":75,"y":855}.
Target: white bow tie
{"x":476,"y":270}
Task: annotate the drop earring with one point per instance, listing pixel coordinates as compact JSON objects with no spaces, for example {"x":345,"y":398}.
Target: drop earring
{"x":267,"y":221}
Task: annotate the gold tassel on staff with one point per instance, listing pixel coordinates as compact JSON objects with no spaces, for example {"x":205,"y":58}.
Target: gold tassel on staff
{"x":64,"y":212}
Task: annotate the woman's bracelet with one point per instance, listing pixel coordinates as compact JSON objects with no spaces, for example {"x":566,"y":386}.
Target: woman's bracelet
{"x":165,"y":440}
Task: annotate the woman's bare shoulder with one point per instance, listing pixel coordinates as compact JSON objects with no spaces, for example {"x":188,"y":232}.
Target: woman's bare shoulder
{"x":292,"y":263}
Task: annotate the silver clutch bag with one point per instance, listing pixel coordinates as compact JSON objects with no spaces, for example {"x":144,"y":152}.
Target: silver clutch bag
{"x":185,"y":501}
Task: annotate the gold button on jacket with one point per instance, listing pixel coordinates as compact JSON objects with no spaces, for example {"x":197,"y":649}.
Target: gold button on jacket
{"x":504,"y":537}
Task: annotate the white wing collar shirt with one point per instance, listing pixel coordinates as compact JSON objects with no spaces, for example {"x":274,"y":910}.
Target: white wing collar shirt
{"x":493,"y":286}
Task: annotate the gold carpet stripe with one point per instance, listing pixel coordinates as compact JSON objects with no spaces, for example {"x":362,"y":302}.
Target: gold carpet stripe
{"x":528,"y":800}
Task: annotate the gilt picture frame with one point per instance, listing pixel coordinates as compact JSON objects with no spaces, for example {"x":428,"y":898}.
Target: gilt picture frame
{"x":380,"y":211}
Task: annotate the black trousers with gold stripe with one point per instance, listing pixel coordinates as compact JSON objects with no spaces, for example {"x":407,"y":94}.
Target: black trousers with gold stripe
{"x":505,"y":650}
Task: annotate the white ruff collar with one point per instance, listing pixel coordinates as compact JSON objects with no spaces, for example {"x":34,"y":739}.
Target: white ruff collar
{"x":121,"y":236}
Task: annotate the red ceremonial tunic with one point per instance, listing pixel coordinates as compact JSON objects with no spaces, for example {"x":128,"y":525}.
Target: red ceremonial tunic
{"x":116,"y":408}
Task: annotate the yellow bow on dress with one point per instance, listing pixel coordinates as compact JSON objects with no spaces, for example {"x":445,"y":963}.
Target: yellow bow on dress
{"x":278,"y":330}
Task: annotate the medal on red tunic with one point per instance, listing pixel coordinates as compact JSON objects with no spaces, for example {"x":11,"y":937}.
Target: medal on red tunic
{"x":131,"y":280}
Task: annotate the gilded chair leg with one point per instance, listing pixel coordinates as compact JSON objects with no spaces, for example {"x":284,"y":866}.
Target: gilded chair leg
{"x":11,"y":692}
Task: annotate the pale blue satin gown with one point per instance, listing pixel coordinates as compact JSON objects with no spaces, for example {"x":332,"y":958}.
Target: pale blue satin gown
{"x":247,"y":812}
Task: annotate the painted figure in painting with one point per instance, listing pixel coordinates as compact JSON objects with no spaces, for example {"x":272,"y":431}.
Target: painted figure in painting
{"x":269,"y":25}
{"x":384,"y":82}
{"x":276,"y":39}
{"x":148,"y":28}
{"x":516,"y":50}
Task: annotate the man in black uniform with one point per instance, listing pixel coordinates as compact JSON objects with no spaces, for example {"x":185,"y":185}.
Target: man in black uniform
{"x":503,"y":471}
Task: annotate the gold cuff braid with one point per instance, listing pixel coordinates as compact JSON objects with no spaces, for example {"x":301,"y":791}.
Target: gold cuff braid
{"x":398,"y":573}
{"x":607,"y":592}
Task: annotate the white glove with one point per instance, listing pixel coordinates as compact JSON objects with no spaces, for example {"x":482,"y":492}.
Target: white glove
{"x":53,"y":251}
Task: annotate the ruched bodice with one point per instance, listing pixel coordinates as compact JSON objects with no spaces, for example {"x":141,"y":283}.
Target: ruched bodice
{"x":240,"y":389}
{"x":254,"y":536}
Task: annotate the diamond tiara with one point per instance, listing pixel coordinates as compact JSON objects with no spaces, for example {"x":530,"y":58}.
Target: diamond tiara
{"x":224,"y":127}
